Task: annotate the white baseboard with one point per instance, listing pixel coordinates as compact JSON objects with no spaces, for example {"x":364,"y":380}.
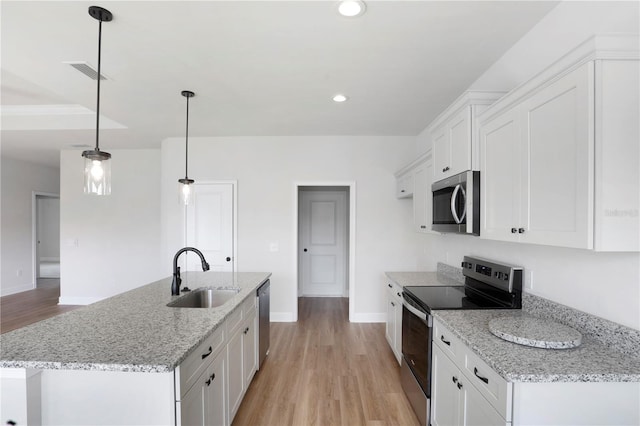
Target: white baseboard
{"x":281,"y":317}
{"x":78,"y":300}
{"x":368,"y":317}
{"x":16,"y":289}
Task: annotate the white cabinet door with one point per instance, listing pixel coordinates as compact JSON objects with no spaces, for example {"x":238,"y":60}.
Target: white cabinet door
{"x":404,"y":185}
{"x":235,"y":375}
{"x":215,"y":394}
{"x":499,"y":177}
{"x":441,"y":153}
{"x":446,"y":397}
{"x":459,"y":132}
{"x":557,"y":162}
{"x":192,"y":405}
{"x":477,"y":411}
{"x":249,"y":358}
{"x":422,"y":201}
{"x":398,"y":325}
{"x":390,"y":327}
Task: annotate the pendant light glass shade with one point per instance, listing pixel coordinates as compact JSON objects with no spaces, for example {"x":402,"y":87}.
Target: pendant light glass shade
{"x":97,"y":172}
{"x":185,"y":189}
{"x":97,"y":164}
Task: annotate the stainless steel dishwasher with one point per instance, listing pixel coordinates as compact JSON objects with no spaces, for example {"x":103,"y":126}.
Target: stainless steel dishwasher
{"x":264,"y":326}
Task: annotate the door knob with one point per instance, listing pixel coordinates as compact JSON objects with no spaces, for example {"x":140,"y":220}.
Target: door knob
{"x":305,"y":250}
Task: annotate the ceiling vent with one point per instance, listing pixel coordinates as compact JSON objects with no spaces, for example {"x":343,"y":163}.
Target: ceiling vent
{"x":86,"y":69}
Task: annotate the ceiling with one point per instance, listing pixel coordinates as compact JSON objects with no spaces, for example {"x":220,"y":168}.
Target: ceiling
{"x":257,"y":68}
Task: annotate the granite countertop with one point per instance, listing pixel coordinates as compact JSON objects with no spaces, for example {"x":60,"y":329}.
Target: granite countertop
{"x":132,"y":331}
{"x":592,"y":361}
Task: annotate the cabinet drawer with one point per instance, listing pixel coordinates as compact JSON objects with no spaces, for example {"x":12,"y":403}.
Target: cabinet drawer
{"x":191,"y":368}
{"x":493,"y":387}
{"x":450,"y":344}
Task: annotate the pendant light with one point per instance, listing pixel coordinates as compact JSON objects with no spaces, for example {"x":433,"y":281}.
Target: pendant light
{"x":185,"y":184}
{"x":97,"y":167}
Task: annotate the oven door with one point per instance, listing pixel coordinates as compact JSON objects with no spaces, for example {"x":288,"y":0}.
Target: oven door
{"x":416,"y":341}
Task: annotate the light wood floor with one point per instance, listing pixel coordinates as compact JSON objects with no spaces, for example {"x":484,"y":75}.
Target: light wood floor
{"x":324,"y":370}
{"x":27,"y":307}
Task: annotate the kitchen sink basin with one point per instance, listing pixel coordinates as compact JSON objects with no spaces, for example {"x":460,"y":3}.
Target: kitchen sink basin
{"x":205,"y":298}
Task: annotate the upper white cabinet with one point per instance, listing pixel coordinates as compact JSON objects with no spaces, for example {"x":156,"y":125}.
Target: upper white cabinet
{"x":453,"y":134}
{"x":415,"y":180}
{"x":559,"y":158}
{"x":404,"y":185}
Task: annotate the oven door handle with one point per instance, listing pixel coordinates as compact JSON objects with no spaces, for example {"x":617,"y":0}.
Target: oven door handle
{"x":414,"y":311}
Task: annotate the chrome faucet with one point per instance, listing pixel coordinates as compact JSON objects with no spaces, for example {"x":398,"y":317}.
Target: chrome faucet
{"x":175,"y":284}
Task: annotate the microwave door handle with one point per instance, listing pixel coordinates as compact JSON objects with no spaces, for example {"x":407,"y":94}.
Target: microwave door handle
{"x":454,"y":197}
{"x":414,"y":311}
{"x":464,"y":203}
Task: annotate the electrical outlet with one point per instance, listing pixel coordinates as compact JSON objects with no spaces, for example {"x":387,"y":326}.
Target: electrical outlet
{"x":528,"y":279}
{"x":19,"y":273}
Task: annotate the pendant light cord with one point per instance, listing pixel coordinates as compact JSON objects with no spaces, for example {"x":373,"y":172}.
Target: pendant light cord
{"x":186,"y":145}
{"x":99,"y":78}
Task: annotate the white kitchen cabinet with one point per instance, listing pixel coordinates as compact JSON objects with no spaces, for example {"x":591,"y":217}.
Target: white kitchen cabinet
{"x":404,"y":185}
{"x":422,"y":199}
{"x":205,"y":403}
{"x":456,"y":399}
{"x":242,"y":355}
{"x":453,"y":134}
{"x":393,"y":329}
{"x":536,"y":166}
{"x":559,"y":156}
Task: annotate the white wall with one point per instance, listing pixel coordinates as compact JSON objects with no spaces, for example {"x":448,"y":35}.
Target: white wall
{"x":109,"y":244}
{"x":267,"y":169}
{"x":19,"y":180}
{"x":603,"y":284}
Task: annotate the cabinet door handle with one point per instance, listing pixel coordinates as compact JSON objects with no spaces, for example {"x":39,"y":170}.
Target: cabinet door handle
{"x":402,"y":190}
{"x":389,"y":285}
{"x":459,"y":385}
{"x":484,"y":379}
{"x":454,"y":379}
{"x":446,"y":169}
{"x":210,"y":379}
{"x":208,"y":353}
{"x":520,"y":230}
{"x":423,"y":226}
{"x":213,"y":376}
{"x":393,"y":304}
{"x":514,"y":230}
{"x":246,"y":330}
{"x":399,"y":295}
{"x":446,"y":342}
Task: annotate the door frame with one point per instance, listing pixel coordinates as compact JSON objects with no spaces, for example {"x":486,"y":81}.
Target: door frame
{"x":34,"y":231}
{"x":234,"y":204}
{"x":351,"y":239}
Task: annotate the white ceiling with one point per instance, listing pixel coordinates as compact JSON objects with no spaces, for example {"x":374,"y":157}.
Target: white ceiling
{"x":257,"y":68}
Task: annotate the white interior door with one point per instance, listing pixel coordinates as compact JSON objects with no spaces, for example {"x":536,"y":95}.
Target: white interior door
{"x":323,"y":240}
{"x":47,"y":251}
{"x":210,"y":226}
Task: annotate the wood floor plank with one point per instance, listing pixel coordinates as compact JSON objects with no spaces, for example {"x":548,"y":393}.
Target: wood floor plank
{"x":25,"y":308}
{"x":324,"y":370}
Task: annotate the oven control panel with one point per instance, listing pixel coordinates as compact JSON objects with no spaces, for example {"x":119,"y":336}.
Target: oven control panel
{"x":504,"y":276}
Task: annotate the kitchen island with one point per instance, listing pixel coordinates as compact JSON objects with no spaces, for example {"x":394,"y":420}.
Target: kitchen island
{"x":118,"y":361}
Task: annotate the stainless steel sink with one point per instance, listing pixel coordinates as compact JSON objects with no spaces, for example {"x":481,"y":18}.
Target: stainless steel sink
{"x":205,"y":298}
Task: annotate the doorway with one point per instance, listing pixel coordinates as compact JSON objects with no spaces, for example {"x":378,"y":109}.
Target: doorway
{"x":46,"y":237}
{"x":325,"y":235}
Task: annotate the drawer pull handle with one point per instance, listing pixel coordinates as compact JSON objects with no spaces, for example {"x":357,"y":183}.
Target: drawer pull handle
{"x":459,"y":385}
{"x":393,"y":304}
{"x":446,"y":342}
{"x":454,"y":379}
{"x":484,"y":379}
{"x":389,"y":285}
{"x":246,"y":330}
{"x":208,"y":353}
{"x":399,"y":295}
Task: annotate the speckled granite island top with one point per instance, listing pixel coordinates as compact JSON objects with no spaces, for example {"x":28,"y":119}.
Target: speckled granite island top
{"x":592,"y":361}
{"x":133,"y":331}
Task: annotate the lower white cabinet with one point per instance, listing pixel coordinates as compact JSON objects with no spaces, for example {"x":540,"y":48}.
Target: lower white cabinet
{"x":212,"y":381}
{"x":456,"y":401}
{"x":393,"y":330}
{"x":205,"y":403}
{"x":242,"y":354}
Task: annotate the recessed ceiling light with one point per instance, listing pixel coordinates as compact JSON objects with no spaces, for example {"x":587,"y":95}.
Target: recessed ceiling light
{"x":351,"y":8}
{"x":340,"y":98}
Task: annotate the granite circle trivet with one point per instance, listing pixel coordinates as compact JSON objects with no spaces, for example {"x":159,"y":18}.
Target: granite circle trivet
{"x":536,"y":332}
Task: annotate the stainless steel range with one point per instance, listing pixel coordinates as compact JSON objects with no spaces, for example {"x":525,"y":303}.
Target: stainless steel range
{"x":488,"y":285}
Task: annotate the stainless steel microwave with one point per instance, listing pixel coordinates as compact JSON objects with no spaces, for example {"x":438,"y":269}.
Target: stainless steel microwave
{"x":456,"y":204}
